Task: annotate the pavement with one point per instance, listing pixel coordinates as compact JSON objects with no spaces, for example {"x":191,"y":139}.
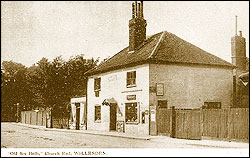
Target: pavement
{"x":92,"y":132}
{"x":195,"y":143}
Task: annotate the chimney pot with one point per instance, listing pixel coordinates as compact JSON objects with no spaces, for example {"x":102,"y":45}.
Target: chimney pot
{"x":133,"y":10}
{"x":136,"y":8}
{"x":139,"y":10}
{"x":240,"y":33}
{"x":142,"y":9}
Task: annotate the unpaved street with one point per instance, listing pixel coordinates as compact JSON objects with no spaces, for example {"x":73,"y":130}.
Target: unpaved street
{"x":18,"y":136}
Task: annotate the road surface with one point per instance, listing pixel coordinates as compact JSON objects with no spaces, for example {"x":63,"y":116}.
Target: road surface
{"x":17,"y":136}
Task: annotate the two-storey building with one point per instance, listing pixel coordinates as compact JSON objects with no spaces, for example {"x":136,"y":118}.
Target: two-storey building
{"x":152,"y":73}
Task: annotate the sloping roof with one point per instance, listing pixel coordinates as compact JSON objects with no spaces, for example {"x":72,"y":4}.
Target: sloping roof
{"x":163,"y":47}
{"x":244,"y":77}
{"x":109,"y":101}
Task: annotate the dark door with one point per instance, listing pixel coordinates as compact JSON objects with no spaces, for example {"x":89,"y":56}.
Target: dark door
{"x":112,"y":125}
{"x":163,"y":119}
{"x":77,"y":115}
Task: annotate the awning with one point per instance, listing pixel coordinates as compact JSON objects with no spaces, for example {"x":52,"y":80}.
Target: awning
{"x":109,"y":101}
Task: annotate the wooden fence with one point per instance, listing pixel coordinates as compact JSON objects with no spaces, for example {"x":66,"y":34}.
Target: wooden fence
{"x":232,"y":124}
{"x":43,"y":118}
{"x":34,"y":118}
{"x":62,"y":123}
{"x":229,"y":124}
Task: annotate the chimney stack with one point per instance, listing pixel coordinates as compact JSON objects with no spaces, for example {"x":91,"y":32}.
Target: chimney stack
{"x":137,"y":26}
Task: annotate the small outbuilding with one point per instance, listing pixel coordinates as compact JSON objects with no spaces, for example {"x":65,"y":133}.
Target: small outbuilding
{"x":78,"y":113}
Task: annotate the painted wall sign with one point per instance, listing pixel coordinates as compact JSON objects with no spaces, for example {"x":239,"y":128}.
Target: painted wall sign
{"x":131,"y":97}
{"x":159,"y":89}
{"x":112,"y":78}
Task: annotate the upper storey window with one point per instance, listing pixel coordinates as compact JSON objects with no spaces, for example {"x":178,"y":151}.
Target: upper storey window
{"x":97,"y":86}
{"x":131,"y":79}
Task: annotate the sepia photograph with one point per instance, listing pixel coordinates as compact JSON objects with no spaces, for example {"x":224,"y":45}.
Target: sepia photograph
{"x":124,"y":78}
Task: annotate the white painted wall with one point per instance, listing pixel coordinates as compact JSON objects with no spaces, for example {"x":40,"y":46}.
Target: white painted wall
{"x":113,"y":85}
{"x":82,"y":101}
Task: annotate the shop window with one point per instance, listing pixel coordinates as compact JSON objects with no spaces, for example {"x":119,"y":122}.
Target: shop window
{"x":98,"y":113}
{"x":131,"y":79}
{"x":131,"y":113}
{"x":211,"y":105}
{"x":97,"y":86}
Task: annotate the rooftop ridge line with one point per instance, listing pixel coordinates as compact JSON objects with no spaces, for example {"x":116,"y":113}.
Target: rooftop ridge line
{"x":157,"y":45}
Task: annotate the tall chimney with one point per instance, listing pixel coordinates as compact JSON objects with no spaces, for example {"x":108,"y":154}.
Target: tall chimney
{"x":238,"y":52}
{"x":137,"y":27}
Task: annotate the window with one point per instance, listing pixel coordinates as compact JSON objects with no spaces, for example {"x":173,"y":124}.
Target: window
{"x":97,"y":93}
{"x":162,"y":103}
{"x":211,"y":105}
{"x":131,"y":113}
{"x":97,"y":86}
{"x":98,"y":113}
{"x":131,"y":78}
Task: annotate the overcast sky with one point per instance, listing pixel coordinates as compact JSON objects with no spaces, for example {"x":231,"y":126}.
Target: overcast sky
{"x":32,"y":30}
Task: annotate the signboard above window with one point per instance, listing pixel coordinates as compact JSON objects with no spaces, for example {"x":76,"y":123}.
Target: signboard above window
{"x":131,"y":97}
{"x":159,"y":89}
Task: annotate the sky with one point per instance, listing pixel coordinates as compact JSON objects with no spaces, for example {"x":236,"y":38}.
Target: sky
{"x":31,"y":30}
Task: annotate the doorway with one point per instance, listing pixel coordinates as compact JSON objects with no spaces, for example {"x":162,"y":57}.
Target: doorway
{"x":163,"y":119}
{"x":77,"y":116}
{"x":112,"y":125}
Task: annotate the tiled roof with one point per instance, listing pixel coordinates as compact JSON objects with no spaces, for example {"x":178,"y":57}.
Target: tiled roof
{"x":162,"y":47}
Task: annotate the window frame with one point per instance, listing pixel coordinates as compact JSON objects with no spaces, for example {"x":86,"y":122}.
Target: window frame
{"x":95,"y":80}
{"x":98,"y":89}
{"x":95,"y":114}
{"x":137,"y":113}
{"x":131,"y":79}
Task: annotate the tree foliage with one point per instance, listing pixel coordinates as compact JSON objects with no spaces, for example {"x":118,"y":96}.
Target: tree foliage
{"x":44,"y":84}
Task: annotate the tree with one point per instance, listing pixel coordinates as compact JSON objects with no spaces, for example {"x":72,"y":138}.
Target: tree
{"x":44,"y":84}
{"x":13,"y":89}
